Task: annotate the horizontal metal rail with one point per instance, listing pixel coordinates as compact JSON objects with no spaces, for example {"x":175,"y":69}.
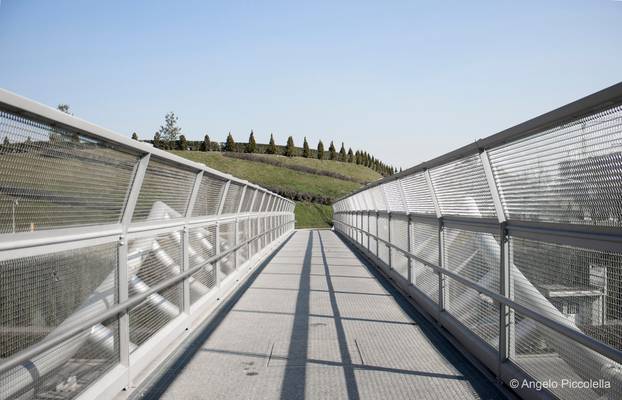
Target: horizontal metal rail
{"x":587,"y":105}
{"x":36,"y":111}
{"x":14,"y":241}
{"x":577,"y":336}
{"x":603,"y":238}
{"x":80,"y":326}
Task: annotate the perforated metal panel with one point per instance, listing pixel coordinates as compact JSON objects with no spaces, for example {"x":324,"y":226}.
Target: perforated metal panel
{"x":378,"y":198}
{"x":232,"y":199}
{"x":258,"y":200}
{"x":571,"y":173}
{"x":243,"y":236}
{"x":209,"y":196}
{"x":584,"y":285}
{"x":399,"y":238}
{"x":476,"y":311}
{"x":461,"y":188}
{"x":549,"y":356}
{"x":393,"y":193}
{"x":153,"y":260}
{"x":165,"y":192}
{"x":52,"y":177}
{"x":417,"y":194}
{"x":202,"y":246}
{"x":39,"y":293}
{"x":473,"y":255}
{"x":424,"y":240}
{"x":227,"y":242}
{"x":426,"y":280}
{"x":248,"y":198}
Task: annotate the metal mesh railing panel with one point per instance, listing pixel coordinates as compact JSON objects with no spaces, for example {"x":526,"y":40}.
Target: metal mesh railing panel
{"x":393,"y":193}
{"x":424,"y":241}
{"x":570,"y":173}
{"x":153,"y":260}
{"x":227,"y":242}
{"x":55,"y":177}
{"x":248,"y":198}
{"x":257,"y":203}
{"x":475,"y":310}
{"x":426,"y":280}
{"x":550,"y":357}
{"x":40,"y":296}
{"x":208,"y":197}
{"x":473,"y":255}
{"x":165,"y":192}
{"x":399,"y":238}
{"x":461,"y":188}
{"x":417,"y":194}
{"x":243,"y":236}
{"x":232,"y":199}
{"x":585,"y":286}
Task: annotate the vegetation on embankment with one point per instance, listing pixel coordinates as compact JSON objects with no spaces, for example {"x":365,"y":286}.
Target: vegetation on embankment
{"x":292,"y":184}
{"x":313,"y":215}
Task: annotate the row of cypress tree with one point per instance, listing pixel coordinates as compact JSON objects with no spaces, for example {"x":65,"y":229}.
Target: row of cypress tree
{"x":166,"y":138}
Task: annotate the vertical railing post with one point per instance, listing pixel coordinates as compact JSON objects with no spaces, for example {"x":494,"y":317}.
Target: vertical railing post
{"x":237,"y":228}
{"x":368,"y":229}
{"x":122,"y":276}
{"x":377,"y":254}
{"x":442,"y":280}
{"x":185,"y":242}
{"x":411,"y":275}
{"x":408,"y":226}
{"x":249,"y":233}
{"x":506,"y":315}
{"x":217,"y":239}
{"x":389,"y":248}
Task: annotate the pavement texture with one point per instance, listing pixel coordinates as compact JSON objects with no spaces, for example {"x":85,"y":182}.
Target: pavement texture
{"x":317,"y":322}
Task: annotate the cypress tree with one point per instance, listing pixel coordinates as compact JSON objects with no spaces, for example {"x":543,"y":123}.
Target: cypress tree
{"x":342,"y":153}
{"x":332,"y":152}
{"x":350,"y":155}
{"x":290,"y":149}
{"x":157,"y":140}
{"x":251,"y":145}
{"x":320,"y":150}
{"x":135,"y":136}
{"x":183,"y":143}
{"x":271,"y":146}
{"x":206,"y":144}
{"x":357,"y":157}
{"x":230,"y":144}
{"x":306,"y":153}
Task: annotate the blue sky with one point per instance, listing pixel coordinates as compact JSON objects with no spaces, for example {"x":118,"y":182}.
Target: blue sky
{"x":406,"y":80}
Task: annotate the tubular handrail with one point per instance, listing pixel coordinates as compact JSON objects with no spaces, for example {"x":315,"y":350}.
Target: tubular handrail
{"x":590,"y":104}
{"x":82,"y":325}
{"x":577,"y":336}
{"x":37,"y":111}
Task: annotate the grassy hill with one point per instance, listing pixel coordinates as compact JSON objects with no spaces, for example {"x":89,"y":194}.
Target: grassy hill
{"x":296,"y":177}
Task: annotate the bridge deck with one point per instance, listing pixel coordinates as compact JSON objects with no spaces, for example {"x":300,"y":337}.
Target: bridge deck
{"x":318,"y":323}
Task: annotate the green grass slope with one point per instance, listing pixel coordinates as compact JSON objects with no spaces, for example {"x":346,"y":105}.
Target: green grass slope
{"x":284,"y":179}
{"x":313,"y":215}
{"x":354,"y":171}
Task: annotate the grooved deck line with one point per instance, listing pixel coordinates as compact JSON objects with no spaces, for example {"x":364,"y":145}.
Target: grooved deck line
{"x":304,"y":333}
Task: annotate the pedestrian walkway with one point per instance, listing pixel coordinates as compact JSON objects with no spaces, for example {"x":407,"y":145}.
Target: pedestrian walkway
{"x":318,"y":323}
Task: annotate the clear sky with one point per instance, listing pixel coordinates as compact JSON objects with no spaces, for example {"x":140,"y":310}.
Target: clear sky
{"x":406,"y":80}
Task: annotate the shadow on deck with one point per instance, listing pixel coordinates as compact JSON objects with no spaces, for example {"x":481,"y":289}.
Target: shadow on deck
{"x":316,"y":321}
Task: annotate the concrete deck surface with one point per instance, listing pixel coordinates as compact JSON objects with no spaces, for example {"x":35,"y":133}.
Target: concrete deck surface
{"x":317,"y":323}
